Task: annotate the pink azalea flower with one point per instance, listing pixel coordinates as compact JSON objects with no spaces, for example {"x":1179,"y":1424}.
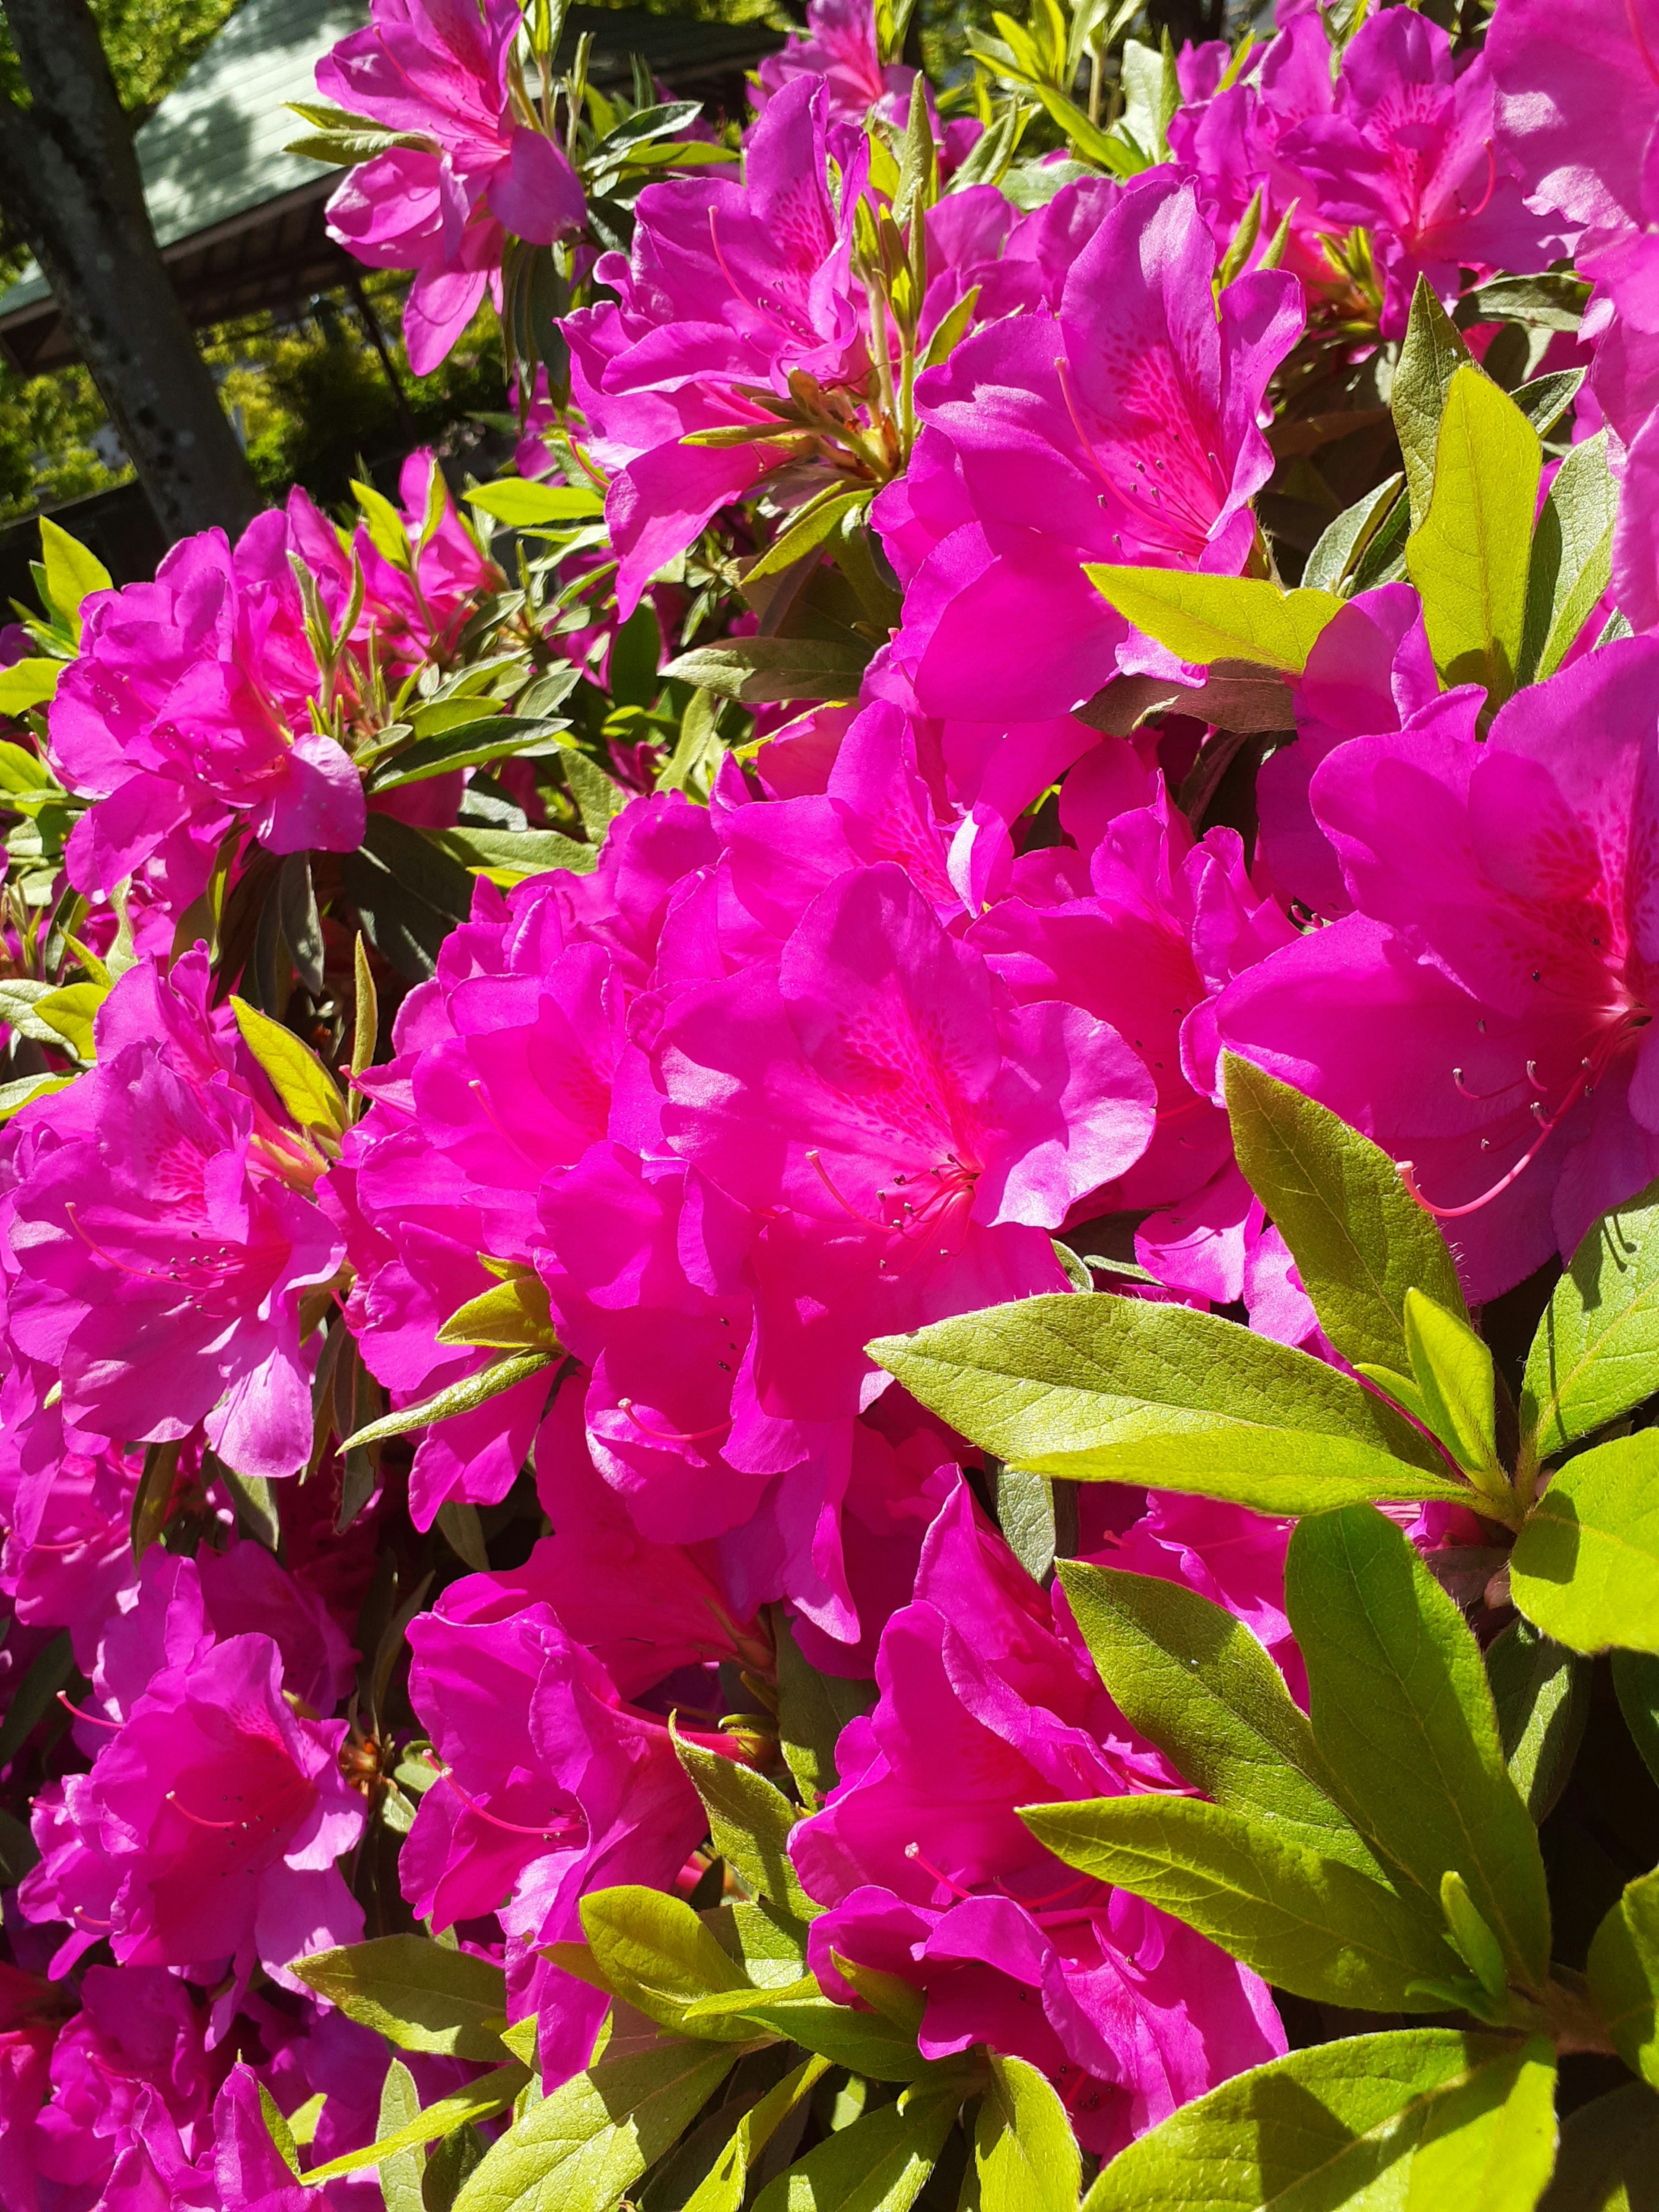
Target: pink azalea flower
{"x":913,"y":1134}
{"x":137,"y":2035}
{"x":1122,"y":428}
{"x":188,"y":710}
{"x":436,"y":71}
{"x":1147,"y":937}
{"x":159,"y":1230}
{"x":735,"y":290}
{"x":840,"y":50}
{"x":1483,"y":1012}
{"x":1409,"y":152}
{"x":551,"y":1786}
{"x":207,"y":1829}
{"x":989,"y":1701}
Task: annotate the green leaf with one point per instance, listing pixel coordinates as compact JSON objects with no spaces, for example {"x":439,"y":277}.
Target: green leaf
{"x":723,"y":2188}
{"x":1190,"y":1677}
{"x":73,"y":1013}
{"x":514,"y":1316}
{"x":1572,"y":561}
{"x":1431,"y":354}
{"x":297,"y":1076}
{"x":1427,"y":2120}
{"x":1359,"y":1239}
{"x":1596,"y":1351}
{"x":1342,"y":544}
{"x":812,"y":1711}
{"x":1027,"y":1511}
{"x":1479,"y":1947}
{"x":73,"y":572}
{"x":1104,"y":1390}
{"x":28,"y":684}
{"x":865,"y":2043}
{"x":1307,"y":1922}
{"x":749,"y":1823}
{"x":384,"y":524}
{"x":1585,"y":1568}
{"x":1024,"y":2152}
{"x":769,"y":1944}
{"x":1206,"y":618}
{"x":470,"y":744}
{"x":653,"y":1951}
{"x":1624,"y":1975}
{"x":1608,"y":2160}
{"x":1635,"y":1683}
{"x":762,"y":670}
{"x":277,"y":2127}
{"x":518,"y":851}
{"x":1550,"y":302}
{"x":1547,"y":399}
{"x":880,"y":2164}
{"x":478,"y":2101}
{"x":809,"y":528}
{"x":1468,"y":555}
{"x":599,"y":798}
{"x":1458,"y":1385}
{"x":582,"y":2148}
{"x":51,"y":1669}
{"x":1402,"y":1712}
{"x":460,"y":1397}
{"x":523,"y":505}
{"x":400,"y":2175}
{"x":1542,"y":1694}
{"x":419,"y":1995}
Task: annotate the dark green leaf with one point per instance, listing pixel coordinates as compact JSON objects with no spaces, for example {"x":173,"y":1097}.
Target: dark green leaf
{"x":1585,"y":1567}
{"x":1549,"y":302}
{"x":302,"y":928}
{"x":419,"y":1995}
{"x":1428,"y":2120}
{"x":1609,"y":2156}
{"x":761,"y":671}
{"x":1360,"y":1241}
{"x":1572,"y":557}
{"x":1596,"y":1351}
{"x":1624,"y":1975}
{"x":1430,"y":355}
{"x":1541,"y":1694}
{"x":527,"y":852}
{"x":1192,"y":1679}
{"x":1403,"y":1714}
{"x":749,"y":1822}
{"x":723,"y":2188}
{"x":1309,"y":1924}
{"x":1636,"y":1680}
{"x":812,"y":1711}
{"x":1342,"y":544}
{"x":50,"y":1670}
{"x":472,"y":743}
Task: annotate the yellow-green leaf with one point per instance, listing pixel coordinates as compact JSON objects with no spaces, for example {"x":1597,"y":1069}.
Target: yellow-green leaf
{"x":1204,"y":619}
{"x":72,"y":572}
{"x":1469,"y":556}
{"x":28,"y":684}
{"x":72,"y":1012}
{"x":1585,"y":1567}
{"x":514,"y":1317}
{"x":298,"y":1077}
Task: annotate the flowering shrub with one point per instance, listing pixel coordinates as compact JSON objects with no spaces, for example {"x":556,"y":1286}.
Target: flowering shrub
{"x":829,"y":1239}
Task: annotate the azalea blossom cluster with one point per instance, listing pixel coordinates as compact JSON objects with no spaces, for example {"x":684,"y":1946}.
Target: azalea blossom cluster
{"x":417,"y":1426}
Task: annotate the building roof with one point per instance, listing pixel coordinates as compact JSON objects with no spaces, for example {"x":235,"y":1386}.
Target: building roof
{"x":240,"y":223}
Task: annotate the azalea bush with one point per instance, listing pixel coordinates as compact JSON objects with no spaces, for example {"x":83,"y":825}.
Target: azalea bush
{"x":829,"y":1239}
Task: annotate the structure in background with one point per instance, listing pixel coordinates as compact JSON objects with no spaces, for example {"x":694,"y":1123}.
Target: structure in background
{"x":240,"y":223}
